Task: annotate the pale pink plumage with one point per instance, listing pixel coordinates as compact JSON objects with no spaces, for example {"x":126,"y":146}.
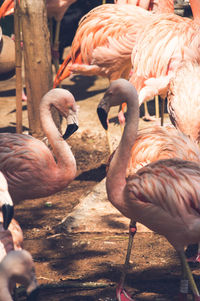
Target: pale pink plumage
{"x":104,"y":41}
{"x":155,"y":143}
{"x":28,"y":164}
{"x":166,"y":53}
{"x":163,"y":195}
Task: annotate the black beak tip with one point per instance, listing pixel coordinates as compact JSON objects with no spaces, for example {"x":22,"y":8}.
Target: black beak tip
{"x":71,"y":128}
{"x":8,"y":212}
{"x":33,"y":296}
{"x":103,"y":117}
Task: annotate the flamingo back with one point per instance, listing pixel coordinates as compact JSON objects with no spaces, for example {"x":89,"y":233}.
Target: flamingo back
{"x":157,"y":143}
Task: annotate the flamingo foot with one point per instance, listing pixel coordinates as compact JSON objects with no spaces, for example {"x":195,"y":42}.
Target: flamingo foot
{"x":122,"y":295}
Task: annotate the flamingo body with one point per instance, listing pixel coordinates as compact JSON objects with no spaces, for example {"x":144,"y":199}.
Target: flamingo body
{"x":175,"y":205}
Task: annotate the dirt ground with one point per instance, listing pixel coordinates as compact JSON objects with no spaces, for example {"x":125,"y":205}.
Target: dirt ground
{"x":87,"y":266}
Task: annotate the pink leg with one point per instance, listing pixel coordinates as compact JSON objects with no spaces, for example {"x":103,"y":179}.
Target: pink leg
{"x":122,"y":295}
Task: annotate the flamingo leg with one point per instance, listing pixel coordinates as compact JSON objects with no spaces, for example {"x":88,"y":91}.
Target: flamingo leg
{"x":184,"y":283}
{"x":157,"y":106}
{"x":122,"y":295}
{"x":162,"y":111}
{"x":109,"y":142}
{"x":190,"y":278}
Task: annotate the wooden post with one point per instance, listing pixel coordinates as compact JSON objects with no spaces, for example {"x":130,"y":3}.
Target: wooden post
{"x":37,"y":60}
{"x":18,"y":68}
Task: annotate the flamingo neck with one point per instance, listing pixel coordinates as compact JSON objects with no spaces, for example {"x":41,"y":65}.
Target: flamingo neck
{"x":195,"y":7}
{"x":162,"y":6}
{"x":66,"y":164}
{"x":4,"y":291}
{"x":116,"y":177}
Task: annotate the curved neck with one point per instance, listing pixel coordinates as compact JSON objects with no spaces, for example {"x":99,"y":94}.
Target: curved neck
{"x":195,"y":7}
{"x":162,"y":6}
{"x":4,"y":291}
{"x":116,"y":177}
{"x":64,"y":156}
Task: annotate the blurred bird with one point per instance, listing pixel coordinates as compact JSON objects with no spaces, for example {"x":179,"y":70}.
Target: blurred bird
{"x":17,"y":267}
{"x":16,"y":264}
{"x":10,"y":239}
{"x":163,"y":195}
{"x":28,"y":164}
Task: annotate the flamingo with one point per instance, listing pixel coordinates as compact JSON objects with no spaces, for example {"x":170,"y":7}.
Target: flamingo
{"x":168,"y":65}
{"x":17,"y":267}
{"x":28,"y":164}
{"x":104,"y":40}
{"x":16,"y":264}
{"x":167,"y":189}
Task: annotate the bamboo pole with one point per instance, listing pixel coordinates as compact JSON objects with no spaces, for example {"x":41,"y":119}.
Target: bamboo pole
{"x":18,"y":67}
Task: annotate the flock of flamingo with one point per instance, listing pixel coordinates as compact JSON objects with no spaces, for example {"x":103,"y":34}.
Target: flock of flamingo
{"x":153,"y":176}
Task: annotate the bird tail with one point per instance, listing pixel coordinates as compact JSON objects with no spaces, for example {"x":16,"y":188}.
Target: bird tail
{"x":7,"y":8}
{"x":64,"y":70}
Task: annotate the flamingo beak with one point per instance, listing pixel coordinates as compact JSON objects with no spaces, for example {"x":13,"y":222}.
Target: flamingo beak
{"x":8,"y":212}
{"x":72,"y":124}
{"x":103,"y":117}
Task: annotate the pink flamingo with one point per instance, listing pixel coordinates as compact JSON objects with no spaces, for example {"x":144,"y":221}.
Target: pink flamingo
{"x":168,"y":65}
{"x":17,"y":267}
{"x":167,"y":189}
{"x":104,"y":41}
{"x":16,"y":264}
{"x":28,"y":164}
